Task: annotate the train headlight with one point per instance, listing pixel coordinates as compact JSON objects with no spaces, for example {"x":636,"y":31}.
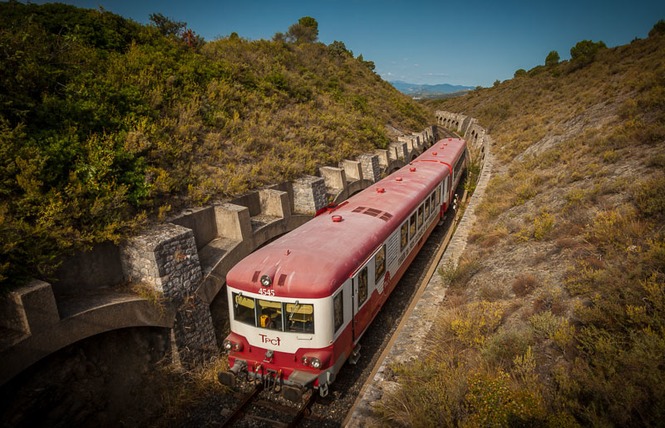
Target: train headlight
{"x":312,"y":362}
{"x":266,"y":280}
{"x":232,"y":346}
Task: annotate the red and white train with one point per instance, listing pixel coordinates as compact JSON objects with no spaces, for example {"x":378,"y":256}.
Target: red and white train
{"x":299,"y":306}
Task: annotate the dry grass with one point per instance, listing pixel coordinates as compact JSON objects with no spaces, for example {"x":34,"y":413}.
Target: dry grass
{"x":575,"y":211}
{"x":181,"y":391}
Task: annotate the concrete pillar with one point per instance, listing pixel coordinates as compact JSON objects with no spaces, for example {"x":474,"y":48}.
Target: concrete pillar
{"x":335,"y":178}
{"x":352,"y":169}
{"x":275,"y":203}
{"x":29,"y":309}
{"x":409,"y":140}
{"x":233,"y":222}
{"x":384,"y":159}
{"x":398,"y":151}
{"x":309,"y":194}
{"x":202,"y":222}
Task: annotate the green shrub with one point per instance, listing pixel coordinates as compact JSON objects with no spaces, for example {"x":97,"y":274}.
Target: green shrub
{"x":649,"y":196}
{"x":458,"y":276}
{"x":430,"y":395}
{"x":492,"y":400}
{"x":104,"y":121}
{"x":543,"y":225}
{"x":501,"y":348}
{"x":475,"y":322}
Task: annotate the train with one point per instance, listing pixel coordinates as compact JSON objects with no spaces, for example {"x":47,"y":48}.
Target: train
{"x":299,"y":306}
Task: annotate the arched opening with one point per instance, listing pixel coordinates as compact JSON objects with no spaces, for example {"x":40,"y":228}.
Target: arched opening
{"x":94,"y":382}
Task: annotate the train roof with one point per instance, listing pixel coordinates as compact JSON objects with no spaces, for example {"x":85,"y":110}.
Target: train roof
{"x":314,"y":259}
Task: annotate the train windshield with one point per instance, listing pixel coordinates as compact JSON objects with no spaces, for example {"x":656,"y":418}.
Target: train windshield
{"x":283,"y":316}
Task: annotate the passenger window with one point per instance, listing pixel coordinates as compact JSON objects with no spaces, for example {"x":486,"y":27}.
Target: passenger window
{"x":427,"y":208}
{"x":362,"y":286}
{"x":412,"y":227}
{"x":404,"y":236}
{"x":420,"y":217}
{"x":380,"y":264}
{"x":270,"y":315}
{"x":243,"y":309}
{"x":338,"y":310}
{"x":300,"y":317}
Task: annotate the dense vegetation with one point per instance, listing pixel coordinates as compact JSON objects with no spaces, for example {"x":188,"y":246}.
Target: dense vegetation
{"x":105,"y":123}
{"x":555,"y":316}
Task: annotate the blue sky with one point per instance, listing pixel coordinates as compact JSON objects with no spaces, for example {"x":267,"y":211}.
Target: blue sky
{"x":471,"y":42}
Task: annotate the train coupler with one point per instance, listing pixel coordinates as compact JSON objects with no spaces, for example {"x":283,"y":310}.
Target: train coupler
{"x":228,"y":378}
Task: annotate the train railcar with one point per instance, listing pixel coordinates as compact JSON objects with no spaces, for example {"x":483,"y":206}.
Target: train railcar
{"x":299,"y":306}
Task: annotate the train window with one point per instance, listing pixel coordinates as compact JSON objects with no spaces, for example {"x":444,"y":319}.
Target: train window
{"x":300,"y":317}
{"x":412,"y":227}
{"x":380,"y":264}
{"x":427,"y":208}
{"x":362,"y":286}
{"x":420,"y":217}
{"x":270,"y":315}
{"x":404,"y":236}
{"x":457,"y":169}
{"x":338,"y":310}
{"x":437,"y":197}
{"x":243,"y":309}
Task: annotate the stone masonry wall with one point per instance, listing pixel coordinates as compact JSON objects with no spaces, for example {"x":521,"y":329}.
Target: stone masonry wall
{"x":166,"y":259}
{"x":370,"y":167}
{"x":309,"y":194}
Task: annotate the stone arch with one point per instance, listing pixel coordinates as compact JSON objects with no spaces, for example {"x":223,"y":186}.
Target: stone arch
{"x":394,"y":166}
{"x":115,"y":314}
{"x":106,"y":371}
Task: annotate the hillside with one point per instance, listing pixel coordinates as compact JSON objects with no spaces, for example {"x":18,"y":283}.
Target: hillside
{"x":106,"y":124}
{"x":555,"y":316}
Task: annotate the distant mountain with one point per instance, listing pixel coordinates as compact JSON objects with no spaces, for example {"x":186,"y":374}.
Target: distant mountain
{"x":428,"y":91}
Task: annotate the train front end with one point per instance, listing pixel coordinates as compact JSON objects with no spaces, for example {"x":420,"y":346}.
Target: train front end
{"x":277,"y":339}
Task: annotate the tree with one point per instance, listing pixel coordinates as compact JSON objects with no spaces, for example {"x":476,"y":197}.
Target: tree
{"x":658,"y":28}
{"x":584,"y":52}
{"x":192,"y":39}
{"x":167,"y":26}
{"x":279,"y":37}
{"x":552,"y":59}
{"x":305,"y":31}
{"x":520,"y":73}
{"x":338,"y":48}
{"x":368,"y":64}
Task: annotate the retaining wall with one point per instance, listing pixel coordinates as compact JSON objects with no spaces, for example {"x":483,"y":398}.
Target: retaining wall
{"x":183,"y":262}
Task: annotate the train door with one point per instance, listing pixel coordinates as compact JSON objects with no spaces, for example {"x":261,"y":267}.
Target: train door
{"x":446,"y":193}
{"x":360,"y":293}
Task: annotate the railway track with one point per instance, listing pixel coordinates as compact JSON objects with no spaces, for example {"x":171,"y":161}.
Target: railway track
{"x":258,"y":408}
